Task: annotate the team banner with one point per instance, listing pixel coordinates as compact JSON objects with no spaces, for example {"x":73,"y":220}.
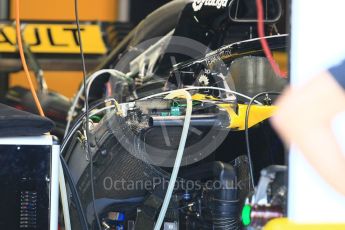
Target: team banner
{"x":53,"y":38}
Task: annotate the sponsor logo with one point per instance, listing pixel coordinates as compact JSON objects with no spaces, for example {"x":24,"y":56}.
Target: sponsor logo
{"x":53,"y":38}
{"x":198,"y":4}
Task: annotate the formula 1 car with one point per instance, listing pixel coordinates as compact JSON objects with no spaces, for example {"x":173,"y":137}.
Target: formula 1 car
{"x":178,"y":130}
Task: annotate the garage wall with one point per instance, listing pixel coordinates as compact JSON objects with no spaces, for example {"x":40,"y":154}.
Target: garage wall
{"x":102,"y":10}
{"x":65,"y":83}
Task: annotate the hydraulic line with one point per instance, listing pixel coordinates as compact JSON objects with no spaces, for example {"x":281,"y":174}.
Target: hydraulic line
{"x":263,"y":41}
{"x":179,"y":155}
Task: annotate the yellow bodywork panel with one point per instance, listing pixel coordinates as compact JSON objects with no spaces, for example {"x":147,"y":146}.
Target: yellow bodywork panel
{"x":258,"y":113}
{"x":202,"y":97}
{"x":285,"y":224}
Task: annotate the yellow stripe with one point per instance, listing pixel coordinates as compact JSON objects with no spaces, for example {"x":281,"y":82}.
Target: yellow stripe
{"x":285,"y":224}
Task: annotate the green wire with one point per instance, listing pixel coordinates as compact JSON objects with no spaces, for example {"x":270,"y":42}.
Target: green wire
{"x":96,"y":118}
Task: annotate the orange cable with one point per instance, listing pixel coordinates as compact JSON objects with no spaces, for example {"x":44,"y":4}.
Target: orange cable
{"x":22,"y":57}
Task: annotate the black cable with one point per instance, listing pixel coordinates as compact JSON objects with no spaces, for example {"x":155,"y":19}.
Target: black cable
{"x":78,"y":122}
{"x":75,"y":195}
{"x":88,"y":149}
{"x":247,"y":132}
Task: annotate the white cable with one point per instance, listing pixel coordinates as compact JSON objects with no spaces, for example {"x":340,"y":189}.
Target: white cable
{"x":64,"y":199}
{"x":102,"y":109}
{"x":179,"y":154}
{"x":89,"y":82}
{"x":203,"y":87}
{"x":76,"y":127}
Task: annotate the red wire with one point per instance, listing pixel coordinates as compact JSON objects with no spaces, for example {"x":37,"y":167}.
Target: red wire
{"x":263,"y":41}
